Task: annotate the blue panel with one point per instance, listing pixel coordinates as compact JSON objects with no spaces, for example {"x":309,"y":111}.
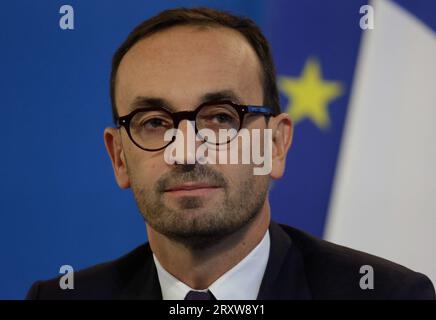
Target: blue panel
{"x":328,"y":31}
{"x":424,"y":10}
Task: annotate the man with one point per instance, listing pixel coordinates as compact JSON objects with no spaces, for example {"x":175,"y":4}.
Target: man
{"x":209,"y":225}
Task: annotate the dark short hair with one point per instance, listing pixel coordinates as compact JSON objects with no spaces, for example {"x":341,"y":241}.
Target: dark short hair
{"x":204,"y":17}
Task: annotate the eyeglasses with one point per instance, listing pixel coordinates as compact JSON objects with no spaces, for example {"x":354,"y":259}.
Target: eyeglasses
{"x":146,"y":127}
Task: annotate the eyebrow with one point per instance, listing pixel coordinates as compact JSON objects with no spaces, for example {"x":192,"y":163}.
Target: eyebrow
{"x":152,"y":102}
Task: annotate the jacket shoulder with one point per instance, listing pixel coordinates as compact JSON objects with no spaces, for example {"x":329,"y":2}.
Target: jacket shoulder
{"x":337,"y":272}
{"x":101,"y":281}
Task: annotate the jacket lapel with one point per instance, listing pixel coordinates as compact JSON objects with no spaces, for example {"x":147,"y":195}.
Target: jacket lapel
{"x":144,"y":284}
{"x":284,"y":276}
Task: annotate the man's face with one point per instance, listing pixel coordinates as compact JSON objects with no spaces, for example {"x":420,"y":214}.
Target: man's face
{"x":183,"y":65}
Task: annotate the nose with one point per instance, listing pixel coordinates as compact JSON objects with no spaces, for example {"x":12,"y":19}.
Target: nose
{"x":185,"y":143}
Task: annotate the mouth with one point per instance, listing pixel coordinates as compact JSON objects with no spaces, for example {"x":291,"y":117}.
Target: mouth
{"x":192,"y":189}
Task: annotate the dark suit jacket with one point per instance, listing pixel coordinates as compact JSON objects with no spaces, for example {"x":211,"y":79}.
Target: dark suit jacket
{"x":299,"y":267}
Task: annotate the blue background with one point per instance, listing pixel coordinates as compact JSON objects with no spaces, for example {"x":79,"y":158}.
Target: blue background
{"x":59,"y":202}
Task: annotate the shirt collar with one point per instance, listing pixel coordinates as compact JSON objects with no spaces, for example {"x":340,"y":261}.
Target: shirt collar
{"x":242,"y":282}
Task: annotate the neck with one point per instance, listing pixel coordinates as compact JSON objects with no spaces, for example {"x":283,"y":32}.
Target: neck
{"x":200,"y":268}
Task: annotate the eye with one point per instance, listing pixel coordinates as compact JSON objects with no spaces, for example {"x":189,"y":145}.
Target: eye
{"x":153,"y":123}
{"x":223,"y":118}
{"x":219,"y":116}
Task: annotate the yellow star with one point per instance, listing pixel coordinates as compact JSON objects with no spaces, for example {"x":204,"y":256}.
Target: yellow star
{"x":309,"y":95}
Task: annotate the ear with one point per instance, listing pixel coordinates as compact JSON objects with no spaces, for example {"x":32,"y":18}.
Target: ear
{"x":114,"y":147}
{"x":282,"y":131}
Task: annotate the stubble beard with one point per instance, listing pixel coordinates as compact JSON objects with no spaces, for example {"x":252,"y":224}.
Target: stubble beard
{"x":196,"y":222}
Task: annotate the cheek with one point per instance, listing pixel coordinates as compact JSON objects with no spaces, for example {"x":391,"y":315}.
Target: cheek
{"x":244,"y":186}
{"x":237,"y":175}
{"x":144,"y":169}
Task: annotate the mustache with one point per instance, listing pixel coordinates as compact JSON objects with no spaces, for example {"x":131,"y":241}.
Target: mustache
{"x":190,"y":173}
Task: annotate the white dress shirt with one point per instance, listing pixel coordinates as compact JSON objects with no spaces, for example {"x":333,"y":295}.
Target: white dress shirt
{"x":242,"y":282}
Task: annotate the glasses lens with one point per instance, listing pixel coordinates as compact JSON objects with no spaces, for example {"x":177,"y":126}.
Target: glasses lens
{"x":148,"y":128}
{"x":222,"y":119}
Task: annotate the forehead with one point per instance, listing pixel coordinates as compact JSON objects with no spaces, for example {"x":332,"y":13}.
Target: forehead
{"x":183,"y":63}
